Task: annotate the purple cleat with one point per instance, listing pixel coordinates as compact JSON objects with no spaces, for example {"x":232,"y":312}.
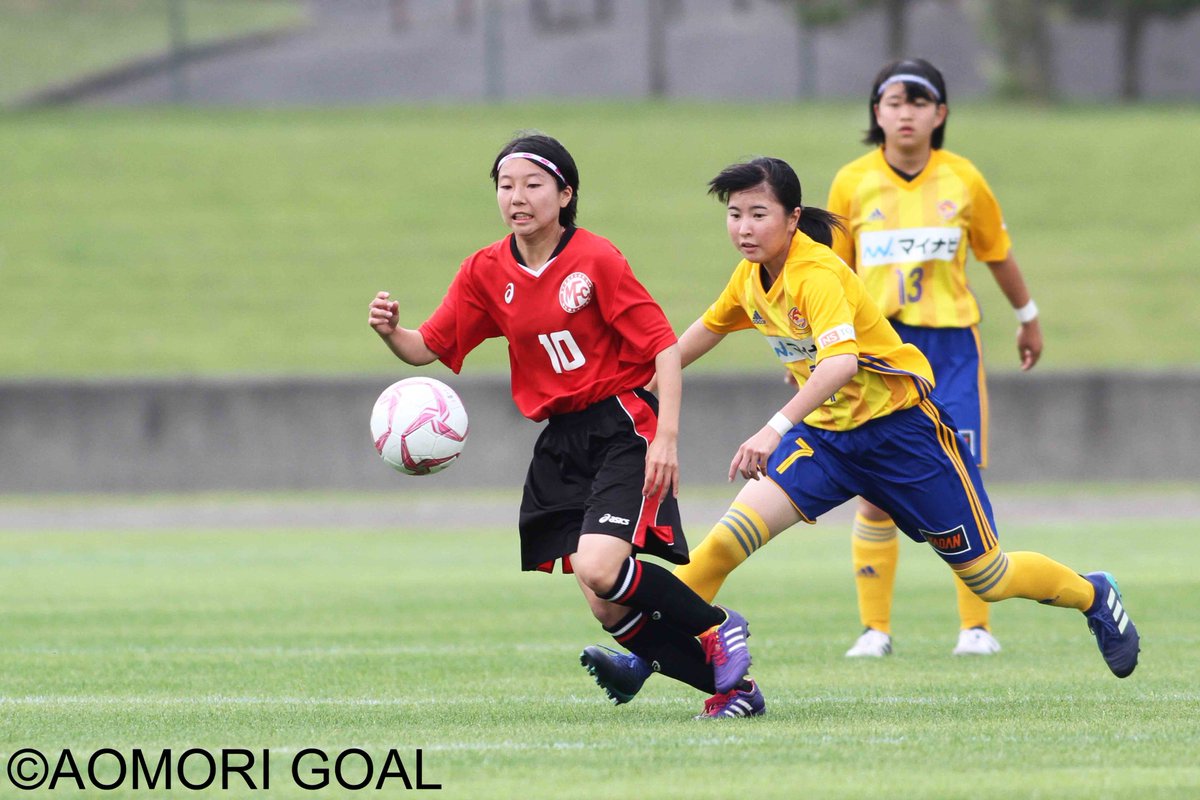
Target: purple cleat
{"x":745,"y":702}
{"x":725,"y":648}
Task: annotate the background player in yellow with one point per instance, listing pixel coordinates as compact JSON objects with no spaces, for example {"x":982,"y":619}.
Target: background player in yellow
{"x":912,"y":210}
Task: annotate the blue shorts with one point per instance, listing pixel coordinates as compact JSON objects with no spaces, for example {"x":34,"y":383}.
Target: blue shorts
{"x":955,"y":355}
{"x":910,"y":463}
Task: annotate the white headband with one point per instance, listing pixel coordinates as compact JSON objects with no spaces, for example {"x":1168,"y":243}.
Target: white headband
{"x":534,"y":157}
{"x":906,"y":78}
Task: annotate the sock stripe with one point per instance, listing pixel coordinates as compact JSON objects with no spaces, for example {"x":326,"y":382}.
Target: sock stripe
{"x":756,"y":527}
{"x":627,"y":581}
{"x":873,"y":524}
{"x":985,"y":580}
{"x":630,"y":629}
{"x":747,"y":528}
{"x":874,"y":532}
{"x":732,"y":526}
{"x":984,"y":572}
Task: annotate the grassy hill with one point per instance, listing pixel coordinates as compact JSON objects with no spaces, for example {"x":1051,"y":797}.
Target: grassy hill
{"x":190,"y":242}
{"x":50,"y":41}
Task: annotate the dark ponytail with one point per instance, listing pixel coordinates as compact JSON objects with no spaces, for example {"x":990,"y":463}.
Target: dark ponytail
{"x":819,"y":224}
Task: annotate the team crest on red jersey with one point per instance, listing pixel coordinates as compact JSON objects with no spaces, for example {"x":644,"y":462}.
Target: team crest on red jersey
{"x":947,"y":208}
{"x":575,"y":292}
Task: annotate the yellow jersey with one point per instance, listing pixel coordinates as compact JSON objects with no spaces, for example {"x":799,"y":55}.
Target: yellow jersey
{"x":908,"y":239}
{"x":818,"y":308}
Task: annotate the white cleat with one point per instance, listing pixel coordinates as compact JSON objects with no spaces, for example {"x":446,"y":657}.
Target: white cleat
{"x":872,"y":644}
{"x":976,"y":642}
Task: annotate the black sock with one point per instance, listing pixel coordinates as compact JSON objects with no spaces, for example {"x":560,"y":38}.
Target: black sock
{"x":665,"y":648}
{"x":649,"y":587}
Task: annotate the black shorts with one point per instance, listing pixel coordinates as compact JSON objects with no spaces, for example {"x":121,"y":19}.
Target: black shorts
{"x":587,"y":474}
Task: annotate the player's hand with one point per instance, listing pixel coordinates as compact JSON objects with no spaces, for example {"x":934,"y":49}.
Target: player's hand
{"x":751,"y":458}
{"x":662,"y":467}
{"x":385,"y":314}
{"x":1029,"y":343}
{"x":790,"y":380}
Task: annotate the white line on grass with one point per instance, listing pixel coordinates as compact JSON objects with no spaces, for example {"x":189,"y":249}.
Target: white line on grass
{"x":281,"y":652}
{"x":102,"y":701}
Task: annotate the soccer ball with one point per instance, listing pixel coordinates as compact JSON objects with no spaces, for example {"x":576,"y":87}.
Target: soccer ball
{"x":419,"y":426}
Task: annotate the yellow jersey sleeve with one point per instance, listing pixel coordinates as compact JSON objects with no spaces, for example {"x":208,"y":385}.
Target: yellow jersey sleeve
{"x":728,"y":312}
{"x":841,"y":199}
{"x":987,"y":232}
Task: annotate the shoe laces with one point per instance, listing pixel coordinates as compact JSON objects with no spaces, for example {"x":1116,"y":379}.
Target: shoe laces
{"x":717,"y":702}
{"x":1102,"y":618}
{"x":1103,"y":624}
{"x":714,"y":649}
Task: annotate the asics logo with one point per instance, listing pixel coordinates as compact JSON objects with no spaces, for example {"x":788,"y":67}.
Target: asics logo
{"x":613,"y":519}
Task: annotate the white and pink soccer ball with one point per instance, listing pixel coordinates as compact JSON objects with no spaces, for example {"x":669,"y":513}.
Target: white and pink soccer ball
{"x":419,"y":426}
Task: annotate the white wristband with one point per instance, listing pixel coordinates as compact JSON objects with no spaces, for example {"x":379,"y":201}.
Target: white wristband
{"x":1027,"y":312}
{"x":780,"y":424}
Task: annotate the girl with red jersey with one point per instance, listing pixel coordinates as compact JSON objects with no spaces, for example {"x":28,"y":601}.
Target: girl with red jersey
{"x":584,"y":336}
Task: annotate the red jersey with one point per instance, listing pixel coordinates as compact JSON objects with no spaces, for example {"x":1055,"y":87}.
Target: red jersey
{"x":580,"y":329}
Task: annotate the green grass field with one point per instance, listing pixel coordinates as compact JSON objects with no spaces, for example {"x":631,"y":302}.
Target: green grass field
{"x":286,"y":639}
{"x":45,"y":42}
{"x":199,"y":242}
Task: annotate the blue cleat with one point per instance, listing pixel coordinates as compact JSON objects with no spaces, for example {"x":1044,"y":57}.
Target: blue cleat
{"x":725,"y":648}
{"x":736,"y":702}
{"x":1115,"y":633}
{"x":620,"y":676}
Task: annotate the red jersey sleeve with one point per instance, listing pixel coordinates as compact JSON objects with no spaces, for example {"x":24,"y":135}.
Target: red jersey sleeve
{"x":461,"y":322}
{"x":637,"y":318}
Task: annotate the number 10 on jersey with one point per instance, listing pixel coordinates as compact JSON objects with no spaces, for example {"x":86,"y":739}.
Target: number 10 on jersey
{"x":564,"y":353}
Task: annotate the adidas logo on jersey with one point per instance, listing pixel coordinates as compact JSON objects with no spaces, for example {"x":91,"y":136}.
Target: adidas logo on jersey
{"x":757,"y":319}
{"x":876,"y":216}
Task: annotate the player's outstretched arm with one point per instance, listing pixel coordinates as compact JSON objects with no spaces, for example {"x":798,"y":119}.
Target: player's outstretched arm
{"x":408,"y":345}
{"x":696,"y":341}
{"x":1029,"y":336}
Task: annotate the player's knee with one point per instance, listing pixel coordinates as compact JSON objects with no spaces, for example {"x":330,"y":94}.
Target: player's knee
{"x":597,"y":571}
{"x":988,"y":577}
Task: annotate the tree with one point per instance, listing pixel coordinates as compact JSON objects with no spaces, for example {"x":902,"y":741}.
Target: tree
{"x":895,"y":14}
{"x":1024,"y":47}
{"x":1131,"y":16}
{"x":814,"y":14}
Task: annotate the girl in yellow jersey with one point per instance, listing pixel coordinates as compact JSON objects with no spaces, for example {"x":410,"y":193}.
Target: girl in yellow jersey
{"x":913,"y":210}
{"x":861,"y":424}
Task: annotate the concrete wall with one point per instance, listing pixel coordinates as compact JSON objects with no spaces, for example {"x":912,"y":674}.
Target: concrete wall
{"x":312,"y":434}
{"x":363,"y":51}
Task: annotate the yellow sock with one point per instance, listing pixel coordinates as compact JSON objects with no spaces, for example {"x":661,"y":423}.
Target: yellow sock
{"x":973,"y":611}
{"x":999,"y":576}
{"x":875,"y":550}
{"x":731,"y":541}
